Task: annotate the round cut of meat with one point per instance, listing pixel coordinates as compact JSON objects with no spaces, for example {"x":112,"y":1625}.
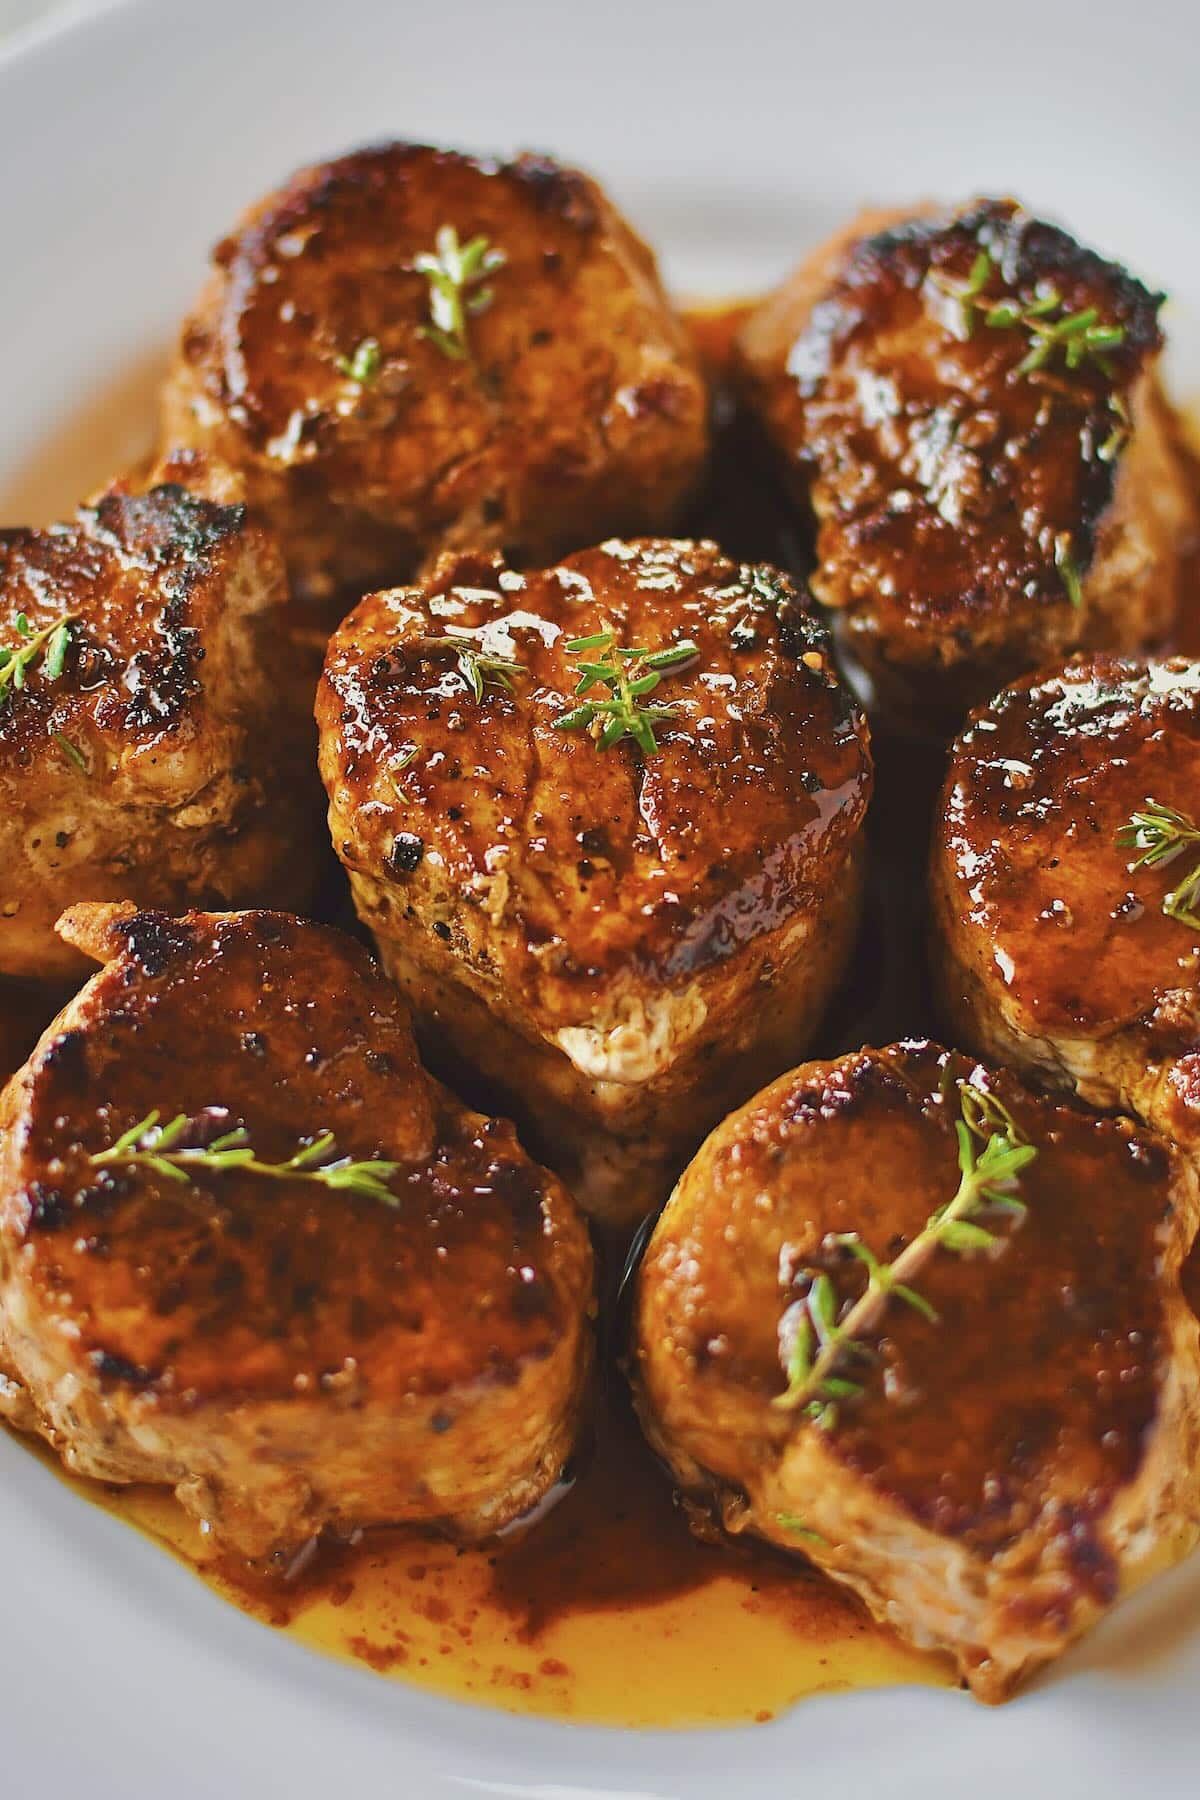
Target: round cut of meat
{"x":907,"y":1319}
{"x":251,"y":1251}
{"x":625,"y":906}
{"x":153,"y":738}
{"x":1064,"y":883}
{"x":968,"y":404}
{"x":408,"y":349}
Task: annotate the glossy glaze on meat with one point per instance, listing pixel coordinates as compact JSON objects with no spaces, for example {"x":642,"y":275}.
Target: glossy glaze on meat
{"x":1008,"y":1463}
{"x":1053,"y":951}
{"x":957,"y":497}
{"x":290,"y":1358}
{"x":578,"y":409}
{"x":169,"y":760}
{"x":623,"y":944}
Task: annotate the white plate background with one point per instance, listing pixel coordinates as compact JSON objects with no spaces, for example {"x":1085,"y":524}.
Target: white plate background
{"x":735,"y":137}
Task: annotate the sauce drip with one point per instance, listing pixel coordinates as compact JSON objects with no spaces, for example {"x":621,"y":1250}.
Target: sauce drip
{"x":609,"y":1611}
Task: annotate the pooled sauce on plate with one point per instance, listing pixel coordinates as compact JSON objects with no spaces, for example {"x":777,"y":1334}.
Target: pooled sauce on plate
{"x":608,"y":1611}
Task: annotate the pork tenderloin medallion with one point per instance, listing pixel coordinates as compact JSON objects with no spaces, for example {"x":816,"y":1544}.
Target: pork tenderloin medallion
{"x":301,"y":1342}
{"x":1065,"y":897}
{"x":154,"y":743}
{"x":624,"y":938}
{"x":907,"y":1319}
{"x":408,"y":349}
{"x":967,"y":402}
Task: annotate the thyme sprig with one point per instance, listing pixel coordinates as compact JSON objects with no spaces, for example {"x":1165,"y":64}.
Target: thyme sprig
{"x":797,"y":1526}
{"x":71,"y":751}
{"x":364,"y":366}
{"x":1162,"y":833}
{"x":1079,"y":337}
{"x":1068,"y":569}
{"x":50,"y":643}
{"x":479,"y":669}
{"x":160,"y":1148}
{"x":1118,"y":437}
{"x":825,"y":1339}
{"x":454,"y":272}
{"x":628,"y":675}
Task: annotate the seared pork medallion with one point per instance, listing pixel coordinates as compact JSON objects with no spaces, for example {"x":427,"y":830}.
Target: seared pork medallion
{"x":153,"y":739}
{"x":251,"y":1251}
{"x":968,"y":403}
{"x":604,"y":823}
{"x":1066,"y":885}
{"x":904,"y":1317}
{"x":408,"y":349}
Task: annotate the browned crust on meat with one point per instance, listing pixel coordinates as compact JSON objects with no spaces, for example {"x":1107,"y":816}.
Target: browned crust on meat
{"x":1055,"y":952}
{"x":580,"y":410}
{"x":589,"y":898}
{"x":948,"y":487}
{"x":286,"y":1355}
{"x":166,"y":762}
{"x":1007,"y":1464}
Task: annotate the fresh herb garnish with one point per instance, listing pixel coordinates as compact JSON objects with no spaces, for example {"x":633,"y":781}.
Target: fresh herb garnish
{"x":71,"y":751}
{"x":364,"y":366}
{"x":477,"y":668}
{"x":628,"y":675}
{"x":1161,"y":834}
{"x":823,"y":1345}
{"x":149,"y":1145}
{"x":796,"y":1526}
{"x":1080,"y":336}
{"x":396,"y":768}
{"x":1118,"y":437}
{"x":1067,"y":567}
{"x":454,"y":272}
{"x":17,"y":660}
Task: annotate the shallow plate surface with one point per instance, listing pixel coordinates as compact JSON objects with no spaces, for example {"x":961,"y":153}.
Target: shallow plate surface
{"x":128,"y":142}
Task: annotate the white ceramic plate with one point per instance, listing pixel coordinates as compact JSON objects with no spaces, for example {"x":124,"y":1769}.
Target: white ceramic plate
{"x":128,"y":142}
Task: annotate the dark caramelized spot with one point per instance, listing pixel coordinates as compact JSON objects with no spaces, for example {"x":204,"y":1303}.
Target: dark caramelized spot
{"x":155,"y":940}
{"x":66,"y":1055}
{"x":118,"y":1370}
{"x":1039,"y":786}
{"x":130,"y":568}
{"x":406,"y":853}
{"x":49,"y":1208}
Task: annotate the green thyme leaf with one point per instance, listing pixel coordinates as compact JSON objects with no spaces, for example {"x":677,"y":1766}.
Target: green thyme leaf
{"x":1079,"y":337}
{"x":1064,"y":562}
{"x":71,"y":751}
{"x":478,"y":669}
{"x":1160,"y":834}
{"x":19,"y":660}
{"x":796,"y":1526}
{"x":364,"y":366}
{"x":455,"y":273}
{"x":627,"y":675}
{"x":820,"y":1334}
{"x":160,"y":1148}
